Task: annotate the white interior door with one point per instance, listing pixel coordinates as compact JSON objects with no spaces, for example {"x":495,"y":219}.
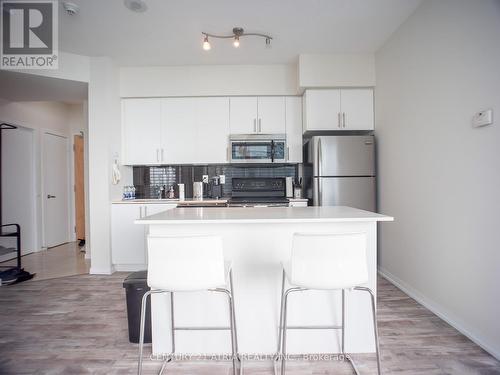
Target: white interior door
{"x":18,"y":188}
{"x":55,"y":171}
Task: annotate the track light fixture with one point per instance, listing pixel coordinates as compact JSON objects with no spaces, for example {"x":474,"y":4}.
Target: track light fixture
{"x":206,"y":44}
{"x":238,"y":32}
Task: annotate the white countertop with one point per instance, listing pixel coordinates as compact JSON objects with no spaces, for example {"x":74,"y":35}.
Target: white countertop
{"x":262,"y":215}
{"x":186,"y":201}
{"x":170,"y":201}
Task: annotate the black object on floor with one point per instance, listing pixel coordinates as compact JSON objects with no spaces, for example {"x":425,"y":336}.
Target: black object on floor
{"x":136,"y":285}
{"x":13,"y":274}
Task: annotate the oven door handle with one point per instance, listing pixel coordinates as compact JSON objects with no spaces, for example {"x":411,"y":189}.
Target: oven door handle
{"x":272,"y":151}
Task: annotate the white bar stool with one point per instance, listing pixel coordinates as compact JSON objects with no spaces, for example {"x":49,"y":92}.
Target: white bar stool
{"x":186,"y":264}
{"x":325,"y":262}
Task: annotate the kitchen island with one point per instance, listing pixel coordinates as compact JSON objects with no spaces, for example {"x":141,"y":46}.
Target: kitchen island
{"x":256,"y":241}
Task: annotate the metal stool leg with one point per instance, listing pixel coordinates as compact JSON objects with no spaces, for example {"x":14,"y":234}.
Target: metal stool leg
{"x":283,"y":346}
{"x":375,"y":327}
{"x":278,"y":350}
{"x":234,"y":331}
{"x":343,"y":321}
{"x":172,"y":325}
{"x":141,"y":334}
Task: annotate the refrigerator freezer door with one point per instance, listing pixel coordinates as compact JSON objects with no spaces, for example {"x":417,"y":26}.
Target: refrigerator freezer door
{"x":358,"y":192}
{"x":342,"y":156}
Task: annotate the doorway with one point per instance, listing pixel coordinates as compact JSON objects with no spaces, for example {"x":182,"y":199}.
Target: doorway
{"x":78,"y":157}
{"x":55,"y":189}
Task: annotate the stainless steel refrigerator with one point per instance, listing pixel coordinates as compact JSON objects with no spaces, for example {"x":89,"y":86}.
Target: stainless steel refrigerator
{"x":341,"y":171}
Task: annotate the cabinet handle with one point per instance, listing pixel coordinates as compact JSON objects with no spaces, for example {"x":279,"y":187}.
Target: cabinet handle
{"x":343,"y":119}
{"x":339,"y":121}
{"x":255,"y":125}
{"x":227,"y":154}
{"x":145,"y":210}
{"x":140,"y":212}
{"x":157,"y":155}
{"x":260,"y":125}
{"x":287,"y":153}
{"x":161,"y":154}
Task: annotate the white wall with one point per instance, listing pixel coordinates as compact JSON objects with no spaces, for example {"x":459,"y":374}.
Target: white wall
{"x":336,"y":70}
{"x":439,"y":176}
{"x":104,"y":142}
{"x":208,"y":80}
{"x":19,"y":196}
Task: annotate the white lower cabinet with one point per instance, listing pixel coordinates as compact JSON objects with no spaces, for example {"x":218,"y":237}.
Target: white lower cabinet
{"x":128,"y":240}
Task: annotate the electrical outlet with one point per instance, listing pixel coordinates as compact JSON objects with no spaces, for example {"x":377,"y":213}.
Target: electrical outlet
{"x":204,"y":178}
{"x":222,"y":179}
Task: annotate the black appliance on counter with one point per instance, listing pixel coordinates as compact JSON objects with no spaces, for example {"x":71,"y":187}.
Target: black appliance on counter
{"x":258,"y":191}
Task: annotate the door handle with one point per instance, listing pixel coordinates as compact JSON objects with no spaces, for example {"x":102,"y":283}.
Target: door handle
{"x":50,"y":196}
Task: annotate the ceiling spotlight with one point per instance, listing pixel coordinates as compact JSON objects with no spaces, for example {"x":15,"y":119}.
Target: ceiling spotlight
{"x":138,"y":6}
{"x":237,"y":33}
{"x":206,"y":44}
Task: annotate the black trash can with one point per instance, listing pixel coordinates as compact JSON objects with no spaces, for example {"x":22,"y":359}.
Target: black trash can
{"x":136,"y":285}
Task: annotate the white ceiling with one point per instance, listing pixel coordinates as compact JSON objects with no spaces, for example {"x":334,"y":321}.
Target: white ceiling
{"x":19,"y":87}
{"x":169,"y":32}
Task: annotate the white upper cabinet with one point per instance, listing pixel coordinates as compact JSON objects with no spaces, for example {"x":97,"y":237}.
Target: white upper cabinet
{"x":243,"y":115}
{"x":271,"y":114}
{"x":178,"y":131}
{"x":338,"y":109}
{"x":293,"y":114}
{"x":322,"y":110}
{"x":357,"y":109}
{"x":195,"y":130}
{"x":254,"y":115}
{"x":141,"y":119}
{"x":212,"y":130}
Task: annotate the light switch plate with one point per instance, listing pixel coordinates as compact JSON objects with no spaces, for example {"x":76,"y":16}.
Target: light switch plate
{"x":205,"y":178}
{"x":483,"y":118}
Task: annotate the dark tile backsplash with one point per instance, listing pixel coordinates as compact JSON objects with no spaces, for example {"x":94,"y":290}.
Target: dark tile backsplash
{"x":148,"y":179}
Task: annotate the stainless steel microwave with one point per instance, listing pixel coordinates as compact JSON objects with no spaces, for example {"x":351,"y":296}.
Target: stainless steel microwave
{"x":257,"y":148}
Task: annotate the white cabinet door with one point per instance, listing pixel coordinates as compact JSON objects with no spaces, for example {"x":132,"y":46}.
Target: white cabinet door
{"x":212,"y":130}
{"x":178,"y":130}
{"x":127,"y":238}
{"x":322,"y":110}
{"x":141,"y":123}
{"x":243,"y":115}
{"x":293,"y":106}
{"x":357,"y":109}
{"x":271,"y":119}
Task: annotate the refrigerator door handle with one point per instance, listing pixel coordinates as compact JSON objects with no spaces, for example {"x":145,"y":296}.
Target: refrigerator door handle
{"x":320,"y":198}
{"x":320,"y":158}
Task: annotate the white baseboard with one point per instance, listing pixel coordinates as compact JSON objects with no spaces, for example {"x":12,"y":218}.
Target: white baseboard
{"x":130,"y":267}
{"x":101,"y":271}
{"x":438,"y":310}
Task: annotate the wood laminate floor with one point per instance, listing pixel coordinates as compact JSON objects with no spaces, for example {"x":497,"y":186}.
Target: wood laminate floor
{"x":77,"y":325}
